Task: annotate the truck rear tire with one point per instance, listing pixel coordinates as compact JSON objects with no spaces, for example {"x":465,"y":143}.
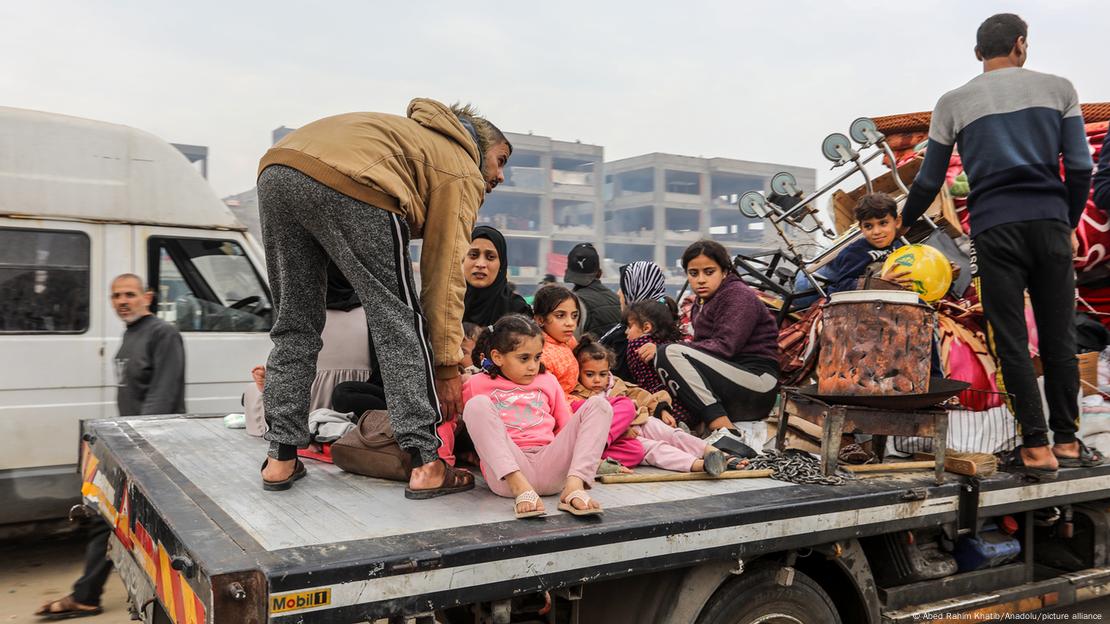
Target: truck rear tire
{"x":755,"y":597}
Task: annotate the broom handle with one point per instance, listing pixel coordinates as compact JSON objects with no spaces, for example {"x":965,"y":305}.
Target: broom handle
{"x":891,"y":467}
{"x":683,"y":476}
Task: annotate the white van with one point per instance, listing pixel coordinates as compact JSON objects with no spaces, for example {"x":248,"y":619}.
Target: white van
{"x":80,"y":202}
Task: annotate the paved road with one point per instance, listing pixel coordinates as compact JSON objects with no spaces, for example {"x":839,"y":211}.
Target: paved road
{"x":35,"y":571}
{"x":32,"y":572}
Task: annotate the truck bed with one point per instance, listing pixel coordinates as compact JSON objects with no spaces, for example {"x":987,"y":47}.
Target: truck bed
{"x":341,"y":547}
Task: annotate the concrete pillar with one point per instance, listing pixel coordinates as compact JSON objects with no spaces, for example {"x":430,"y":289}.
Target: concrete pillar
{"x":705,"y":184}
{"x":598,"y":178}
{"x":659,"y":213}
{"x":547,"y":213}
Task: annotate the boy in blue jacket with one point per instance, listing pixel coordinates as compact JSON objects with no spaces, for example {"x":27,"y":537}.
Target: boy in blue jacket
{"x":878,"y":219}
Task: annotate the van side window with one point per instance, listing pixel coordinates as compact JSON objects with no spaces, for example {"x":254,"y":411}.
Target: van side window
{"x":44,"y":281}
{"x":204,"y":285}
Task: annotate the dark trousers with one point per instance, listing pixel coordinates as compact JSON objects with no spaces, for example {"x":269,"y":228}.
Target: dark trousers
{"x":90,"y":586}
{"x":711,"y":387}
{"x":304,"y":224}
{"x":358,"y":397}
{"x":1035,"y":256}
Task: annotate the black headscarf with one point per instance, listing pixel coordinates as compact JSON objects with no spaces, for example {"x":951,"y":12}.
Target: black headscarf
{"x":485,"y":305}
{"x":341,"y":296}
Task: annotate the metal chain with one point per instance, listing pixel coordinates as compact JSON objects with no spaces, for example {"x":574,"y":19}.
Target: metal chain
{"x":794,"y":466}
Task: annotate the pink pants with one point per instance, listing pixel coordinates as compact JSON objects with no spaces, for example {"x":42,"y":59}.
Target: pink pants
{"x":628,"y":451}
{"x":446,"y":433}
{"x":576,"y":450}
{"x":657,"y":445}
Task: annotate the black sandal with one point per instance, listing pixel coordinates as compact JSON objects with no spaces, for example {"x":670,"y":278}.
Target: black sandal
{"x":735,"y":463}
{"x":1088,"y":458}
{"x":454,"y":481}
{"x":1015,"y":464}
{"x":299,"y":472}
{"x":68,"y":608}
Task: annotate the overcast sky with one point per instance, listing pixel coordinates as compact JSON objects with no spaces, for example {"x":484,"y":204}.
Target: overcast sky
{"x":758,"y":81}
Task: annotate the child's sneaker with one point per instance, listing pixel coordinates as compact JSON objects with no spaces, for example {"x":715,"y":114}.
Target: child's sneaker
{"x":727,"y":441}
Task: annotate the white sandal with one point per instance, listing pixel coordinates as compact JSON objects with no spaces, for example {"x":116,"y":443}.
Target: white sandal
{"x":528,"y":496}
{"x":581,"y":495}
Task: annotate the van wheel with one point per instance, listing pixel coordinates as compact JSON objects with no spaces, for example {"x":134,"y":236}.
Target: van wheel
{"x":755,"y":598}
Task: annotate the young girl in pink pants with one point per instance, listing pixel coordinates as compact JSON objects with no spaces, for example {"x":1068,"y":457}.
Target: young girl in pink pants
{"x":520,"y":421}
{"x":638,"y":435}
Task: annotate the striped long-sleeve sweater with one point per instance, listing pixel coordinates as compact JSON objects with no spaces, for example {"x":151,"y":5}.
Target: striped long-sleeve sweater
{"x":1012,"y":126}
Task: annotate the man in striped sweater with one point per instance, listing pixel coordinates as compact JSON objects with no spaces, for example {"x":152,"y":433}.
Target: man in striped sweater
{"x":1013,"y":126}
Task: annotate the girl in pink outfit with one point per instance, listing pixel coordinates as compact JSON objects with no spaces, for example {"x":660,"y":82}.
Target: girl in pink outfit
{"x":638,"y":436}
{"x":519,"y":419}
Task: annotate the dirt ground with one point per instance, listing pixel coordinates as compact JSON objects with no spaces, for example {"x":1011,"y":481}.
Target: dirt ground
{"x":33,"y":571}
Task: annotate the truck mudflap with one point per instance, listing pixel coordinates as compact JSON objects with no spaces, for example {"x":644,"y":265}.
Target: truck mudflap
{"x":142,"y":535}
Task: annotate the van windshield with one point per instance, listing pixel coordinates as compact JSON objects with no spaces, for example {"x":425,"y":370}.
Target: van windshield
{"x":208,"y":285}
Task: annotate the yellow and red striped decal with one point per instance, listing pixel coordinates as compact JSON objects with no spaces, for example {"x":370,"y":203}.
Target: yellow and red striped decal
{"x":180,"y":601}
{"x":94,"y":484}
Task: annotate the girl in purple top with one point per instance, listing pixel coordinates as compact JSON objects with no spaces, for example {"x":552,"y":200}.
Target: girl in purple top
{"x":730,"y":371}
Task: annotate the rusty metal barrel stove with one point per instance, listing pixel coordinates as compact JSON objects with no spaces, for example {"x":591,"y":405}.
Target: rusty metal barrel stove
{"x":875,"y":342}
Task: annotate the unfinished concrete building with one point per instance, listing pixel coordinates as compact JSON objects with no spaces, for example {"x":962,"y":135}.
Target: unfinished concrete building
{"x":657,"y":204}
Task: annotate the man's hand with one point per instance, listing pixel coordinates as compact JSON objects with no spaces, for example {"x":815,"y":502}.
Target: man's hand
{"x":450,"y":397}
{"x":647,"y":352}
{"x":898,"y":275}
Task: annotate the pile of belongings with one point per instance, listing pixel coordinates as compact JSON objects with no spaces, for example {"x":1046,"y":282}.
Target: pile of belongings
{"x":961,"y":327}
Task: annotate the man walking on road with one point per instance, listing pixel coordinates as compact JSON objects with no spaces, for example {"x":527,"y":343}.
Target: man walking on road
{"x":353,"y":189}
{"x":1013,"y":126}
{"x":150,"y":375}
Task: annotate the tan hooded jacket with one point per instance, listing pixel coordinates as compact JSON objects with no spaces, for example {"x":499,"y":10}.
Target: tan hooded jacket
{"x":423,"y":167}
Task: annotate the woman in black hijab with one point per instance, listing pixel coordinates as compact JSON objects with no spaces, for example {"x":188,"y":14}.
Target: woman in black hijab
{"x":489,"y":296}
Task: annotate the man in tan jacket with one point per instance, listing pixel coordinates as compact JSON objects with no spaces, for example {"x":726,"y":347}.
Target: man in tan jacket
{"x":355,"y":188}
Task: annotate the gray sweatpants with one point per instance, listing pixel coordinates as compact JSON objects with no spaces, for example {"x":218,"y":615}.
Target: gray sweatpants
{"x":304,"y":223}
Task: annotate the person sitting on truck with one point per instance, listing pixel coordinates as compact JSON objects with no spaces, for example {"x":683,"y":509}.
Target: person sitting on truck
{"x":642,"y":280}
{"x":354,"y":188}
{"x":878,"y":220}
{"x":519,"y":419}
{"x":489,"y":295}
{"x":654,"y":323}
{"x":556,"y":309}
{"x":1013,"y":126}
{"x":601,"y":309}
{"x":643,"y":431}
{"x":730,"y":371}
{"x":150,"y":369}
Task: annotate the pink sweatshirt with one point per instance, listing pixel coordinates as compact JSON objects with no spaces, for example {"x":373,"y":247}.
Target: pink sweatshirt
{"x":532,"y":414}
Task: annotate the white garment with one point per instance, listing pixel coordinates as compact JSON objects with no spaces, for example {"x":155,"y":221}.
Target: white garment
{"x":327,"y":425}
